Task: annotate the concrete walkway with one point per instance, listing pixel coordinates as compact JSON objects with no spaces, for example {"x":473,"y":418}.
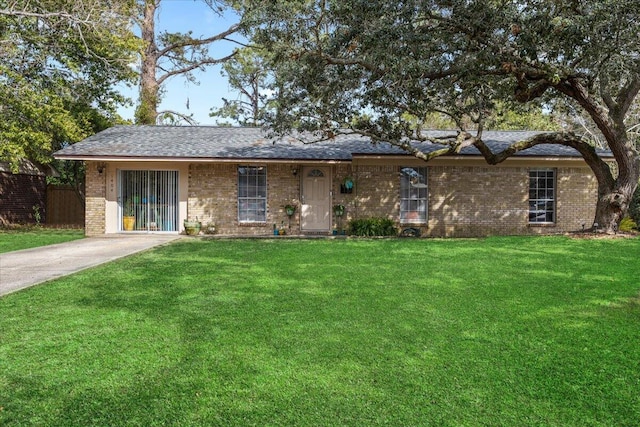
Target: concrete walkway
{"x":21,"y":269}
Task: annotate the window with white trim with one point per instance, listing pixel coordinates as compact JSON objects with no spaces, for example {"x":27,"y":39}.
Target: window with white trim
{"x":542,"y":196}
{"x":413,"y":195}
{"x":252,"y":194}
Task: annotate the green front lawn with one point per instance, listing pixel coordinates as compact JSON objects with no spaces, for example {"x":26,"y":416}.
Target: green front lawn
{"x":495,"y":332}
{"x":31,"y":237}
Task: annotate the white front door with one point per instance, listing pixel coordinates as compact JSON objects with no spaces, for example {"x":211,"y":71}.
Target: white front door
{"x":316,"y":199}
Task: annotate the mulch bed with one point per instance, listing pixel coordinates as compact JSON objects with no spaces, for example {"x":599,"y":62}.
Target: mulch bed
{"x":592,"y":235}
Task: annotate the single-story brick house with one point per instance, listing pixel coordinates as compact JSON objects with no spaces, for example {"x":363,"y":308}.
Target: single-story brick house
{"x":241,"y":180}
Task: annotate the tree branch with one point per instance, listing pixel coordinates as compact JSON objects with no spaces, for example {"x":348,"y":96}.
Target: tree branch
{"x":575,"y":90}
{"x":626,"y":97}
{"x":191,"y":42}
{"x":46,"y":16}
{"x":599,"y":167}
{"x":188,"y":119}
{"x":209,"y":61}
{"x":606,"y":95}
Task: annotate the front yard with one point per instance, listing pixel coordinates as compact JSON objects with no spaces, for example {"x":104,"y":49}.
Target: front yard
{"x":500,"y":331}
{"x":31,"y":237}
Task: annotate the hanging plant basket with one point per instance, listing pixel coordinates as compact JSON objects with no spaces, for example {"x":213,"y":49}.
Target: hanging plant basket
{"x":290,"y":209}
{"x":347,"y":185}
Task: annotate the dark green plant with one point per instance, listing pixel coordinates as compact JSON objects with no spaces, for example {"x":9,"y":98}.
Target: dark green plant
{"x":369,"y":227}
{"x":37,"y":215}
{"x":628,"y":224}
{"x":129,"y":209}
{"x":634,"y":207}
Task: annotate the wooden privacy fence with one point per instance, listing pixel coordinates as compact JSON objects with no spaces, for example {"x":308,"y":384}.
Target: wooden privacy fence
{"x":64,"y":206}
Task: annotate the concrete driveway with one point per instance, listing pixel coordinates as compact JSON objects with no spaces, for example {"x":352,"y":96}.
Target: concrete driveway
{"x":21,"y":269}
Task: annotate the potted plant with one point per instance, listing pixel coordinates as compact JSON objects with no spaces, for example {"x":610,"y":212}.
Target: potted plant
{"x":192,"y":228}
{"x":128,"y":215}
{"x":210,"y":228}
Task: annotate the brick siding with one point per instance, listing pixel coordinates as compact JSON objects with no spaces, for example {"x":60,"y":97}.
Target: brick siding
{"x":94,"y":221}
{"x":465,"y":198}
{"x":213,"y":190}
{"x":468,"y":201}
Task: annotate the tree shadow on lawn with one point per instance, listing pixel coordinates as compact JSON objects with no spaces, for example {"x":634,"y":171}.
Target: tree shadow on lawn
{"x":179,"y":345}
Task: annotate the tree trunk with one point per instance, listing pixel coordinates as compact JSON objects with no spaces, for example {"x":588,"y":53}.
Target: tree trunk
{"x":147,"y":111}
{"x":613,"y":202}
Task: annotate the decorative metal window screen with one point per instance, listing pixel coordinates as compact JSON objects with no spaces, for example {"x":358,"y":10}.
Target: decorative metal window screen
{"x":542,"y":196}
{"x":152,"y":197}
{"x":413,"y":195}
{"x":252,"y":194}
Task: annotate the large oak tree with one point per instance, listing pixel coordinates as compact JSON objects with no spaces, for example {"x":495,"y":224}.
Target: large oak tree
{"x":377,"y":67}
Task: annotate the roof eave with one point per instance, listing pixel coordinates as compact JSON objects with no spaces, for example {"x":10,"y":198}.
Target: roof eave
{"x":103,"y":158}
{"x":469,"y":157}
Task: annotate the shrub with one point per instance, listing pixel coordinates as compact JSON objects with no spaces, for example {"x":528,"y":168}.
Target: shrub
{"x":369,"y":227}
{"x":628,"y":224}
{"x":634,"y":207}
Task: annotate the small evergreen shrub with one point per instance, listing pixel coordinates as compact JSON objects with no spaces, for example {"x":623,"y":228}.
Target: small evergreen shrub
{"x":628,"y":224}
{"x":634,"y":207}
{"x":369,"y":227}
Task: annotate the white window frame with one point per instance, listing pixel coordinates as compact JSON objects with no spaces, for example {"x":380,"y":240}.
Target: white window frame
{"x":542,"y":196}
{"x":252,"y":194}
{"x":414,"y":195}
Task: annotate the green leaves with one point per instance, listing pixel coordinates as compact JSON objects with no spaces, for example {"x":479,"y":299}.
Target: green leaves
{"x":400,"y":64}
{"x":61,"y":60}
{"x":336,"y":60}
{"x":249,"y":75}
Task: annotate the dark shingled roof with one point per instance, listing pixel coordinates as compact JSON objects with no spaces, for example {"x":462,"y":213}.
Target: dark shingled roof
{"x":228,"y":143}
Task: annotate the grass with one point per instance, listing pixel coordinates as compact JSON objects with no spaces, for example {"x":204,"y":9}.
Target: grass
{"x":31,"y":237}
{"x":496,"y":332}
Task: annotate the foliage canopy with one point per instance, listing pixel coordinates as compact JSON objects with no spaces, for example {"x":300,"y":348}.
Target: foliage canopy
{"x":367,"y":66}
{"x":248,"y":74}
{"x":61,"y":60}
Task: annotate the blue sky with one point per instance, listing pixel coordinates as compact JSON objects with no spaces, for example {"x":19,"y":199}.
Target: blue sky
{"x":196,"y":16}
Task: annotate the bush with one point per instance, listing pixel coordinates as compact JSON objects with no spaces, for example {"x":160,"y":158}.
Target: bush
{"x":369,"y":227}
{"x":634,"y":207}
{"x":628,"y":224}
